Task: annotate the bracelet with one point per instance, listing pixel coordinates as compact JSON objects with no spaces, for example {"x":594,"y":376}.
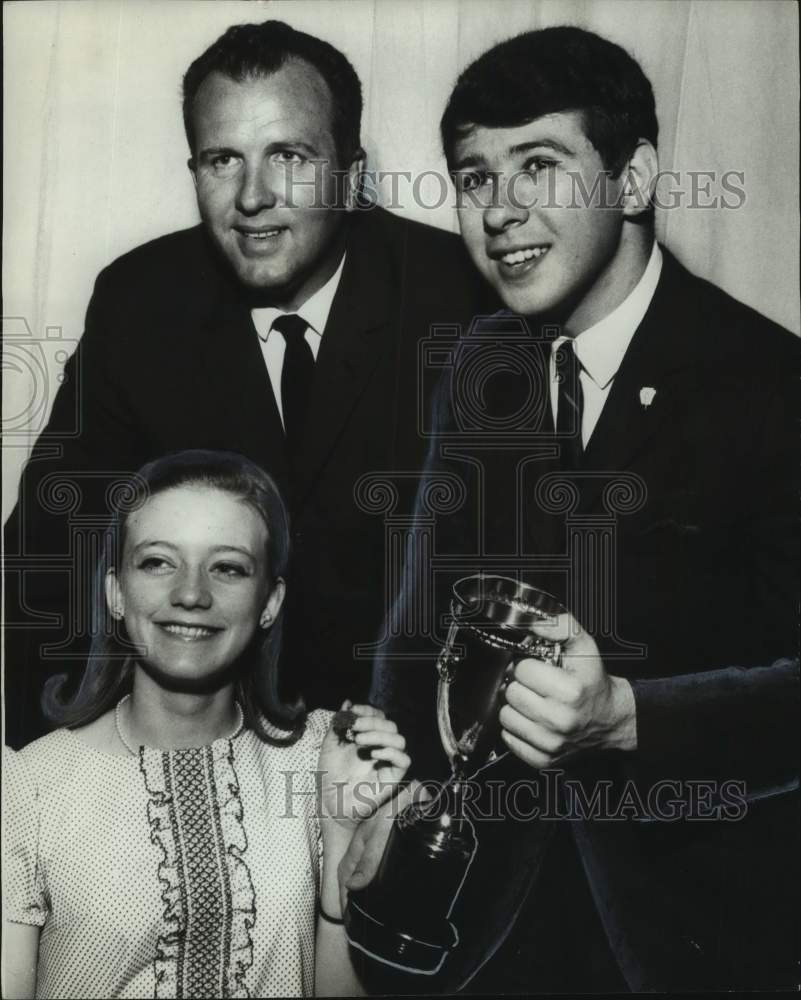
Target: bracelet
{"x":328,"y":918}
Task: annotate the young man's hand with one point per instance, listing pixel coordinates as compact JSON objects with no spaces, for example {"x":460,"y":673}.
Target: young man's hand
{"x":551,"y":712}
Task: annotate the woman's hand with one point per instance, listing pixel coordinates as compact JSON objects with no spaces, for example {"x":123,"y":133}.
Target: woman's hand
{"x":360,"y":771}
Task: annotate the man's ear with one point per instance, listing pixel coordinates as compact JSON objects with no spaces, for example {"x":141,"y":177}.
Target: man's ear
{"x":114,"y":599}
{"x":192,"y":169}
{"x":640,"y":176}
{"x":353,"y":180}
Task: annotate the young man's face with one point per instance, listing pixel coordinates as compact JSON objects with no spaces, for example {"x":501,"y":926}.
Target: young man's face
{"x":264,"y":168}
{"x":533,"y":211}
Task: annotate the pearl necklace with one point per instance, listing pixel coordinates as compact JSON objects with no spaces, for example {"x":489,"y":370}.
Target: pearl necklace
{"x":240,"y":722}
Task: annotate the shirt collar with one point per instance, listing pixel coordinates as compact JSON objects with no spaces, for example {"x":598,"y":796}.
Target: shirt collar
{"x":315,"y":310}
{"x":601,"y":347}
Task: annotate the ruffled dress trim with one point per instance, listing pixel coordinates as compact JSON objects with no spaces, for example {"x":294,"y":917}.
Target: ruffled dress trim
{"x":158,"y":769}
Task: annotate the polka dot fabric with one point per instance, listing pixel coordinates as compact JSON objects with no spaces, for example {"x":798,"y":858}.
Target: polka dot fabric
{"x":82,"y":862}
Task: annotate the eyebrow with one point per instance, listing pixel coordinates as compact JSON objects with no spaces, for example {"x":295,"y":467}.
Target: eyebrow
{"x":523,"y":147}
{"x":526,"y":147}
{"x":215,"y":548}
{"x":470,"y":161}
{"x":271,"y":147}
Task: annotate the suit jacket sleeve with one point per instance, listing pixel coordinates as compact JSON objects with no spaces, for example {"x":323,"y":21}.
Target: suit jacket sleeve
{"x":404,"y":682}
{"x":734,"y":723}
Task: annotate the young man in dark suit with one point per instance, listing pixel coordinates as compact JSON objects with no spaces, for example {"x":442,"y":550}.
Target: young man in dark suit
{"x":640,"y":461}
{"x":285,"y":327}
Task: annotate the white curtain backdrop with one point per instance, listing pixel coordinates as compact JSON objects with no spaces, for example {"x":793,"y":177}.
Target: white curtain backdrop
{"x":94,"y":152}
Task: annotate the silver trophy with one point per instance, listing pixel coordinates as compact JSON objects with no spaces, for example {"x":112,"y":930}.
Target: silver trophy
{"x":403,"y":918}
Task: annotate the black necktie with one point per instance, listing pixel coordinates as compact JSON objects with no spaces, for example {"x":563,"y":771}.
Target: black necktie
{"x":296,"y":378}
{"x":570,"y":404}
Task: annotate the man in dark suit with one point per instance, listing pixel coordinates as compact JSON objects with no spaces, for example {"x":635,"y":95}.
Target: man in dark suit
{"x":285,"y":328}
{"x":635,"y":455}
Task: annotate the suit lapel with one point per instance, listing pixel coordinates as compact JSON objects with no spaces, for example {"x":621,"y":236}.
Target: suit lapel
{"x":355,"y":336}
{"x":658,"y":357}
{"x":239,"y":392}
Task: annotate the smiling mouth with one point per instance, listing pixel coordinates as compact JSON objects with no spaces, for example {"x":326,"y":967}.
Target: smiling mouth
{"x":516,"y":258}
{"x":189,"y":633}
{"x":260,"y":235}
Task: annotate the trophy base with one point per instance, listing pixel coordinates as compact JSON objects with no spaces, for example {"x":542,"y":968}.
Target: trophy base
{"x":395,"y":948}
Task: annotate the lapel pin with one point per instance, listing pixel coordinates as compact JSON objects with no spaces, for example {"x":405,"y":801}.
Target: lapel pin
{"x":647,"y":396}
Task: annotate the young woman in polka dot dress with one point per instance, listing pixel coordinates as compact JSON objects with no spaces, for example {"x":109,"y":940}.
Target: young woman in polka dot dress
{"x":180,"y":836}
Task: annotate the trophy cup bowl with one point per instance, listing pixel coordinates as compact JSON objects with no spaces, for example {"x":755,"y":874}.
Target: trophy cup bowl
{"x":402,"y":918}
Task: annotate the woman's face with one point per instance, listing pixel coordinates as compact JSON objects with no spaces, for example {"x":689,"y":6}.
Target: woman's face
{"x":193,"y":584}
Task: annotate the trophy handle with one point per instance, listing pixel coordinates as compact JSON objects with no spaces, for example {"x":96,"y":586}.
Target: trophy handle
{"x":446,"y":663}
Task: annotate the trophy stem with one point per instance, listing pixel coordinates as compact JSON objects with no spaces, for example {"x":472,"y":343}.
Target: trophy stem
{"x":448,"y":803}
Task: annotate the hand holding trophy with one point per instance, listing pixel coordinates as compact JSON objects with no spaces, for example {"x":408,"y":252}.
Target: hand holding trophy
{"x":433,"y":843}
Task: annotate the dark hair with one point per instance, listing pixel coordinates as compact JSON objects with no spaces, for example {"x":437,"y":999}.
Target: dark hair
{"x":109,"y":670}
{"x":552,"y":70}
{"x":256,"y":50}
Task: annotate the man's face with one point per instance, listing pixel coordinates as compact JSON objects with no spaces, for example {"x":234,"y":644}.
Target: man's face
{"x":542,"y":232}
{"x":263,"y":166}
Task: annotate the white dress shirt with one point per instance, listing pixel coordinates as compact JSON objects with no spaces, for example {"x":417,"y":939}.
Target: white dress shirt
{"x":600,"y":348}
{"x":314,"y":311}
